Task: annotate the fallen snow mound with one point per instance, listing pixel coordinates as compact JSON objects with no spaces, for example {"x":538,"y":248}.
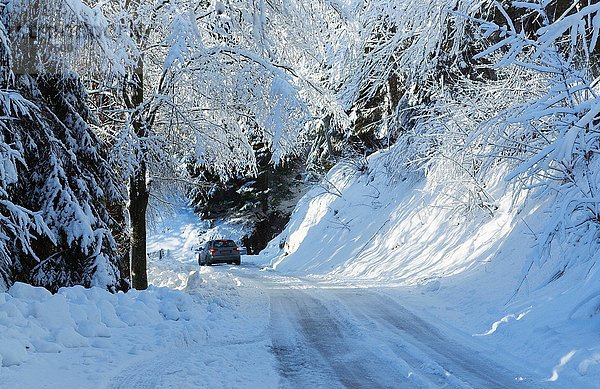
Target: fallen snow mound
{"x":32,"y":320}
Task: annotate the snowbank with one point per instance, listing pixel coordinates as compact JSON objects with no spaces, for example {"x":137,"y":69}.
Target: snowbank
{"x":477,"y":272}
{"x":202,"y":336}
{"x":366,"y":225}
{"x":32,"y":320}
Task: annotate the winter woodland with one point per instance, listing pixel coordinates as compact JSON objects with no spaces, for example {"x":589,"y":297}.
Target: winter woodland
{"x":108,"y":108}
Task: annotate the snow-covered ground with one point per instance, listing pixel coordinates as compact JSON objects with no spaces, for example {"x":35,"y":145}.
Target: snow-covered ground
{"x":371,"y":285}
{"x":88,"y":338}
{"x":479,"y":274}
{"x":192,"y":327}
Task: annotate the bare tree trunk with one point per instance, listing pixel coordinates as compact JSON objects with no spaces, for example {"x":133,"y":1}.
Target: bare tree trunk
{"x":138,"y":203}
{"x":138,"y":189}
{"x":326,"y":133}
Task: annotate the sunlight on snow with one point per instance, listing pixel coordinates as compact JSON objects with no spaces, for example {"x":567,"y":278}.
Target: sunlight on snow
{"x":505,"y":319}
{"x":563,"y":361}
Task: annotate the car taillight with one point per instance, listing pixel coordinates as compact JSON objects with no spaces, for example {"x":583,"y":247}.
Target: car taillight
{"x":212,"y":251}
{"x":238,"y":249}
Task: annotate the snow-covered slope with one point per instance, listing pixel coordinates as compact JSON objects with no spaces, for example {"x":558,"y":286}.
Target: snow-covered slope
{"x":476,"y":271}
{"x":366,"y":225}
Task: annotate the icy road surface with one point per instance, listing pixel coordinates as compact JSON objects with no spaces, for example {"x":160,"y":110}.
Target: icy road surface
{"x":374,"y":343}
{"x":319,"y":335}
{"x":326,"y":336}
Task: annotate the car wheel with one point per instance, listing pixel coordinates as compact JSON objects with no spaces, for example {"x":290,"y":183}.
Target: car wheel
{"x":238,"y":263}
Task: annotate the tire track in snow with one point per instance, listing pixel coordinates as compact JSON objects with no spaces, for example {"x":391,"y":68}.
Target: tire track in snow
{"x":299,"y":365}
{"x":315,"y":350}
{"x":462,"y":363}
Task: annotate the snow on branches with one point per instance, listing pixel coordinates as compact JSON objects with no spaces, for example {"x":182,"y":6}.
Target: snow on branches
{"x":555,"y":134}
{"x":55,"y":186}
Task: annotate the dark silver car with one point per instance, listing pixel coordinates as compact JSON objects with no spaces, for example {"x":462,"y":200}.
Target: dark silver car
{"x":219,"y":251}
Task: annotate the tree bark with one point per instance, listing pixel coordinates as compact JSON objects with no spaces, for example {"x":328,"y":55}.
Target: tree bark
{"x":138,"y":203}
{"x":138,"y":189}
{"x":326,"y":133}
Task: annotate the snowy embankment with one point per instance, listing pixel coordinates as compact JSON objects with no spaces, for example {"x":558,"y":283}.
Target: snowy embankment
{"x":191,"y":323}
{"x":91,"y":338}
{"x":472,"y":272}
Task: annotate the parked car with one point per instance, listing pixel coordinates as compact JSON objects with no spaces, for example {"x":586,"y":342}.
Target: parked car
{"x":219,"y":251}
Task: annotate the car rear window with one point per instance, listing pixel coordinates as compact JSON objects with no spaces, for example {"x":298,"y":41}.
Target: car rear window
{"x":224,"y":243}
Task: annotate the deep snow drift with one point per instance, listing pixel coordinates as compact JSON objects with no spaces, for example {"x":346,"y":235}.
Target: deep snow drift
{"x":475,"y":273}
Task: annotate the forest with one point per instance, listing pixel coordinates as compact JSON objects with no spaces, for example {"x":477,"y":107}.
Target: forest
{"x":109,"y":108}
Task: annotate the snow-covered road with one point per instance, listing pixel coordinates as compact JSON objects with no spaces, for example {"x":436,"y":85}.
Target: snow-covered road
{"x":324,"y":335}
{"x":371,"y":342}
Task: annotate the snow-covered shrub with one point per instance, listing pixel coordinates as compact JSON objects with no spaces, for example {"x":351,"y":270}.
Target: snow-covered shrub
{"x":411,"y":81}
{"x":449,"y":141}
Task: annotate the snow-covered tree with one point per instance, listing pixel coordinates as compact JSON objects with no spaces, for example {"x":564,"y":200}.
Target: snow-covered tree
{"x":18,"y":225}
{"x":202,"y":81}
{"x":57,"y":176}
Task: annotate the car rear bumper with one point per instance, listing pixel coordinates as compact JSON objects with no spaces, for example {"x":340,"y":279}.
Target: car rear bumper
{"x":223,"y":259}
